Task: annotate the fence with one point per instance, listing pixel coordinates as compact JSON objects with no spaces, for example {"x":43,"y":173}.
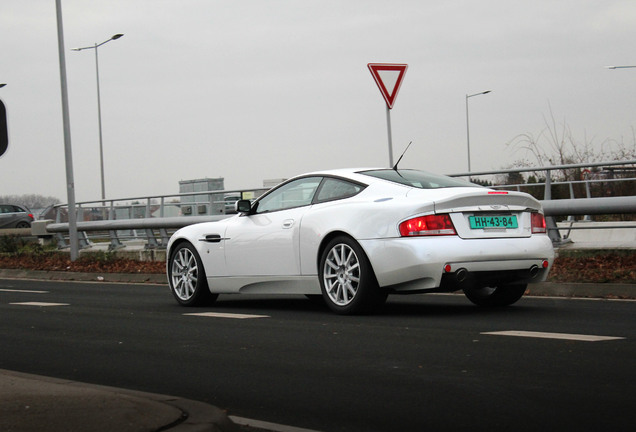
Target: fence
{"x":153,"y":219}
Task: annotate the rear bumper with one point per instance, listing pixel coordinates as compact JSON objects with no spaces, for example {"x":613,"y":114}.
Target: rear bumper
{"x":418,"y":264}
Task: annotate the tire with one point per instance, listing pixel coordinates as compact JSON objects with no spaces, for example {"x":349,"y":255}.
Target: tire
{"x":23,"y":225}
{"x":347,"y":280}
{"x":187,"y":279}
{"x":315,"y":298}
{"x":503,"y":295}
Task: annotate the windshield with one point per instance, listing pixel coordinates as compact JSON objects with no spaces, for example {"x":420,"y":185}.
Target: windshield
{"x":418,"y":179}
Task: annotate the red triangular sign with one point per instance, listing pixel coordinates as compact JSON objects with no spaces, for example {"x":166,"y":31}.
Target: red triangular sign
{"x":388,"y":77}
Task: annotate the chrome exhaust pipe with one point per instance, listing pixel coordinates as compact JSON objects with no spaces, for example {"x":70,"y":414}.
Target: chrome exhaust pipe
{"x":534,"y":271}
{"x":461,"y":275}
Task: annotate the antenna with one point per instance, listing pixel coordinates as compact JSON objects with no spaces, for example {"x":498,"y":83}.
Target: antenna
{"x":396,"y":164}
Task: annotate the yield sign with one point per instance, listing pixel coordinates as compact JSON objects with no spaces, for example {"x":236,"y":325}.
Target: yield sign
{"x":388,"y":77}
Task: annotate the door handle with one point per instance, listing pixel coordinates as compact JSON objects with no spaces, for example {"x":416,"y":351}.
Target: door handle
{"x":288,"y":223}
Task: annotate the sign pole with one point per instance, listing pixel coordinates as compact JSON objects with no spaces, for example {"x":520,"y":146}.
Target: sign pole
{"x":388,"y":127}
{"x":388,"y":77}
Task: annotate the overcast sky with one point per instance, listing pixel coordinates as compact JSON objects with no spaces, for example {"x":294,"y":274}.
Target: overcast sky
{"x":255,"y":89}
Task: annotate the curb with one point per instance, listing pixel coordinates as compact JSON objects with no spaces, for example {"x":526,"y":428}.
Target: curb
{"x":68,"y":405}
{"x":152,"y":278}
{"x":555,"y":289}
{"x":584,"y":290}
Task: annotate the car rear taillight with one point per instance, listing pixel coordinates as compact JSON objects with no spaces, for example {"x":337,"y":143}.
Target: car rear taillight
{"x":538,"y":224}
{"x":31,"y":216}
{"x":432,"y":225}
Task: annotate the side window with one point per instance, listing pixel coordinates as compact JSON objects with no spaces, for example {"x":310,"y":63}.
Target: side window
{"x":333,"y":189}
{"x":297,"y":193}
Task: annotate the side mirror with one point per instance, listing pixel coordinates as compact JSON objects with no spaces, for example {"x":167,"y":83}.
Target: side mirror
{"x":243,"y":206}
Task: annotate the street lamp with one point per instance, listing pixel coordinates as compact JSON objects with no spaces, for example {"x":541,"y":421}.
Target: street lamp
{"x":2,"y":84}
{"x":619,"y":67}
{"x":99,"y":107}
{"x":467,"y":126}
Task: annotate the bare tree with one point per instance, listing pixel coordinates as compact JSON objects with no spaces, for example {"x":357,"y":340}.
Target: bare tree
{"x":556,"y":145}
{"x":31,"y":201}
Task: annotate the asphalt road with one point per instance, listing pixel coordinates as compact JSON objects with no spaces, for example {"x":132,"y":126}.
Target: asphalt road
{"x":424,"y":363}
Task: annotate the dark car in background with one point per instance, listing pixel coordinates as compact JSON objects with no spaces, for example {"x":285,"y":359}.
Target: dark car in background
{"x":15,"y":216}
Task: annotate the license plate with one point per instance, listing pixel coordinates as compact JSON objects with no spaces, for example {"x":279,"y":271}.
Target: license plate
{"x":487,"y":222}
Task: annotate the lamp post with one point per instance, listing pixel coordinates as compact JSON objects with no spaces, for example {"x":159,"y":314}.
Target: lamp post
{"x":2,"y":84}
{"x":467,"y":124}
{"x":66,"y":123}
{"x":619,"y":67}
{"x":99,"y":107}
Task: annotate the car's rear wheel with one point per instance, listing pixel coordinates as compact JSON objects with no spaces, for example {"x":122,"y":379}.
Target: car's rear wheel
{"x":347,"y":280}
{"x":187,"y":277}
{"x":502,"y":295}
{"x":23,"y":225}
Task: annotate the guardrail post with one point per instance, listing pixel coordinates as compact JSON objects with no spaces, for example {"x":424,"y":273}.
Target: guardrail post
{"x":114,"y":241}
{"x":547,"y":192}
{"x":82,"y":239}
{"x":588,"y":194}
{"x":553,"y":231}
{"x":164,"y":237}
{"x":114,"y":238}
{"x":152,"y":241}
{"x":570,"y":217}
{"x":61,"y":243}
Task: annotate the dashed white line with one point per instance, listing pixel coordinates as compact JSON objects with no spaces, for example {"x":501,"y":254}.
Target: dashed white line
{"x":267,"y":426}
{"x":24,"y":291}
{"x":544,"y":335}
{"x":39,"y":304}
{"x":226,"y":315}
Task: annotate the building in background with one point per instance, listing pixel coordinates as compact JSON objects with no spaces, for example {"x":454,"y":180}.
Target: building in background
{"x":204,"y":203}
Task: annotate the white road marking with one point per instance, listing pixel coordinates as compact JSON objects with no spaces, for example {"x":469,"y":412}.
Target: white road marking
{"x":226,"y":315}
{"x":24,"y":291}
{"x":566,"y":336}
{"x":257,"y":424}
{"x":40,"y":304}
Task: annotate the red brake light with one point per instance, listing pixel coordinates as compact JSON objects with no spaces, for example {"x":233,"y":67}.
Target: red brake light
{"x":498,"y":193}
{"x":538,"y":223}
{"x":431,"y":225}
{"x":31,"y":216}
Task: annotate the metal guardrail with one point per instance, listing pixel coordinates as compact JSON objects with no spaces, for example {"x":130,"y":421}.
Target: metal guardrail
{"x":148,"y":218}
{"x":546,"y":168}
{"x":150,"y":227}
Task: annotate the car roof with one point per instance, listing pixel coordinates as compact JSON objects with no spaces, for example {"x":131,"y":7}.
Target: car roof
{"x":352,"y":173}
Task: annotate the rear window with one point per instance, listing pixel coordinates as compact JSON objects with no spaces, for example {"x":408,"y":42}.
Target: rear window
{"x":334,"y":189}
{"x":418,"y":179}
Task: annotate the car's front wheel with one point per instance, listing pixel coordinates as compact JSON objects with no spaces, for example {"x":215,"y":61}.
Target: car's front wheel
{"x":502,"y":295}
{"x":187,"y":277}
{"x":347,"y":280}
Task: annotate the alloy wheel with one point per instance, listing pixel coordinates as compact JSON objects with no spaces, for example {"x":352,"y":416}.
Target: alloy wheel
{"x":341,"y":274}
{"x":184,"y":274}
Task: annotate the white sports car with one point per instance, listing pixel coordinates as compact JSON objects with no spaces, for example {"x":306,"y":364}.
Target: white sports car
{"x":353,"y":236}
